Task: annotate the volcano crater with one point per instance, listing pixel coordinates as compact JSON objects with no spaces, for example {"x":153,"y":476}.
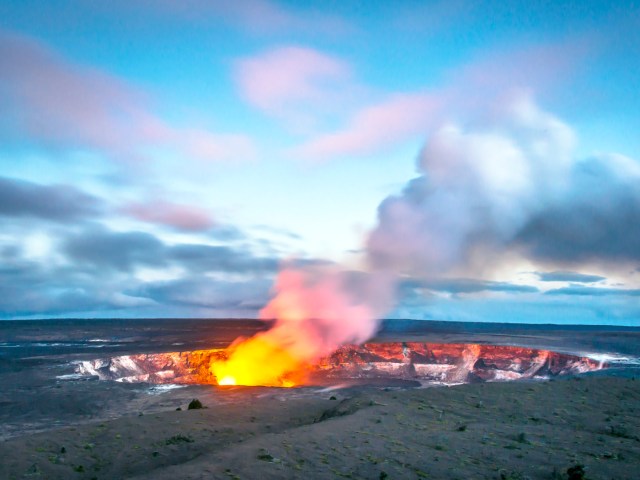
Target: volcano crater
{"x":415,"y":363}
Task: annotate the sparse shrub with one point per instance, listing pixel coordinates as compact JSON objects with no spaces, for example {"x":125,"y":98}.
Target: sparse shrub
{"x":195,"y":404}
{"x":576,"y":472}
{"x":176,"y":439}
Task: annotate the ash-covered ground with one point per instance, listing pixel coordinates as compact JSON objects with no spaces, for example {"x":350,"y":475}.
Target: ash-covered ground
{"x":46,"y":401}
{"x":41,"y":387}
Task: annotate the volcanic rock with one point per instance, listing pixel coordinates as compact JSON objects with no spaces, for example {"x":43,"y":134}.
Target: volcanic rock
{"x":415,"y":361}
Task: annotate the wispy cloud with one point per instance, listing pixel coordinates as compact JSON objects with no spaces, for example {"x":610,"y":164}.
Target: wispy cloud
{"x":472,"y":90}
{"x":61,"y":105}
{"x":594,"y":291}
{"x":290,"y":81}
{"x":597,"y":219}
{"x":468,"y":285}
{"x":175,"y":215}
{"x":509,"y":185}
{"x":198,"y":291}
{"x":374,"y":128}
{"x":559,"y":276}
{"x":99,"y":247}
{"x":60,"y":203}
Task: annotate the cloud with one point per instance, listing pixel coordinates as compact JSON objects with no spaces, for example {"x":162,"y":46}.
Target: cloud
{"x":196,"y":291}
{"x":551,"y":309}
{"x":509,"y":186}
{"x":470,"y":95}
{"x":374,"y":128}
{"x":597,"y":218}
{"x":105,"y":249}
{"x":594,"y":291}
{"x":203,"y":258}
{"x":477,"y":189}
{"x":60,"y":105}
{"x":99,"y":270}
{"x":288,"y":81}
{"x":175,"y":215}
{"x":31,"y":288}
{"x":59,"y":203}
{"x":462,"y":285}
{"x":109,"y":250}
{"x":468,"y":285}
{"x":226,"y":233}
{"x":559,"y":276}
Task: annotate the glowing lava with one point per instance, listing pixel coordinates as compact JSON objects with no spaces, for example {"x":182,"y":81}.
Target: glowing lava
{"x":316,"y":310}
{"x":227,"y":381}
{"x":258,"y":361}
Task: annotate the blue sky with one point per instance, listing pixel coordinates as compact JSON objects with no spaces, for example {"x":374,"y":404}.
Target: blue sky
{"x":162,"y":158}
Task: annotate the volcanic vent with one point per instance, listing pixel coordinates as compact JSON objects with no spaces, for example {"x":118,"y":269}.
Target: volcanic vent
{"x":426,"y":363}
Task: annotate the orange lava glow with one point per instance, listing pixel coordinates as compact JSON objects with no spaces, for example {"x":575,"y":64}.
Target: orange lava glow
{"x":227,"y":381}
{"x":310,"y":309}
{"x":258,"y":361}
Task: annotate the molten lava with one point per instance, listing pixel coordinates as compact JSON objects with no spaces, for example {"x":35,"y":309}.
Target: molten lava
{"x":258,"y":361}
{"x":310,"y":309}
{"x":227,"y":381}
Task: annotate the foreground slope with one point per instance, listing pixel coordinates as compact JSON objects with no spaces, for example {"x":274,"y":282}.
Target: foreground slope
{"x":507,"y":430}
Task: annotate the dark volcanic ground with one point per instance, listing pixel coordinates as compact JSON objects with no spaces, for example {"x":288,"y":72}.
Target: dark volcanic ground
{"x":56,"y":424}
{"x":40,"y":391}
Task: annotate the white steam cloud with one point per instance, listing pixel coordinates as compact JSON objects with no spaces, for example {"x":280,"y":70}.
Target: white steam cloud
{"x":481,"y":189}
{"x":509,"y":183}
{"x":476,"y":186}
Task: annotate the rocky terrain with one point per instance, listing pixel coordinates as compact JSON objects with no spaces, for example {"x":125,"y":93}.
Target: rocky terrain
{"x":497,"y":431}
{"x":416,"y":361}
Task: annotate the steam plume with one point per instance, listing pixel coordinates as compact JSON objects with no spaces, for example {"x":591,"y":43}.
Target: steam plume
{"x":511,"y":183}
{"x":316,"y":309}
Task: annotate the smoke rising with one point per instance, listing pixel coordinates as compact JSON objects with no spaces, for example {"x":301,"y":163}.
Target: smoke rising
{"x":316,"y":309}
{"x":327,"y":306}
{"x":506,"y":184}
{"x":513,"y":185}
{"x":478,"y":188}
